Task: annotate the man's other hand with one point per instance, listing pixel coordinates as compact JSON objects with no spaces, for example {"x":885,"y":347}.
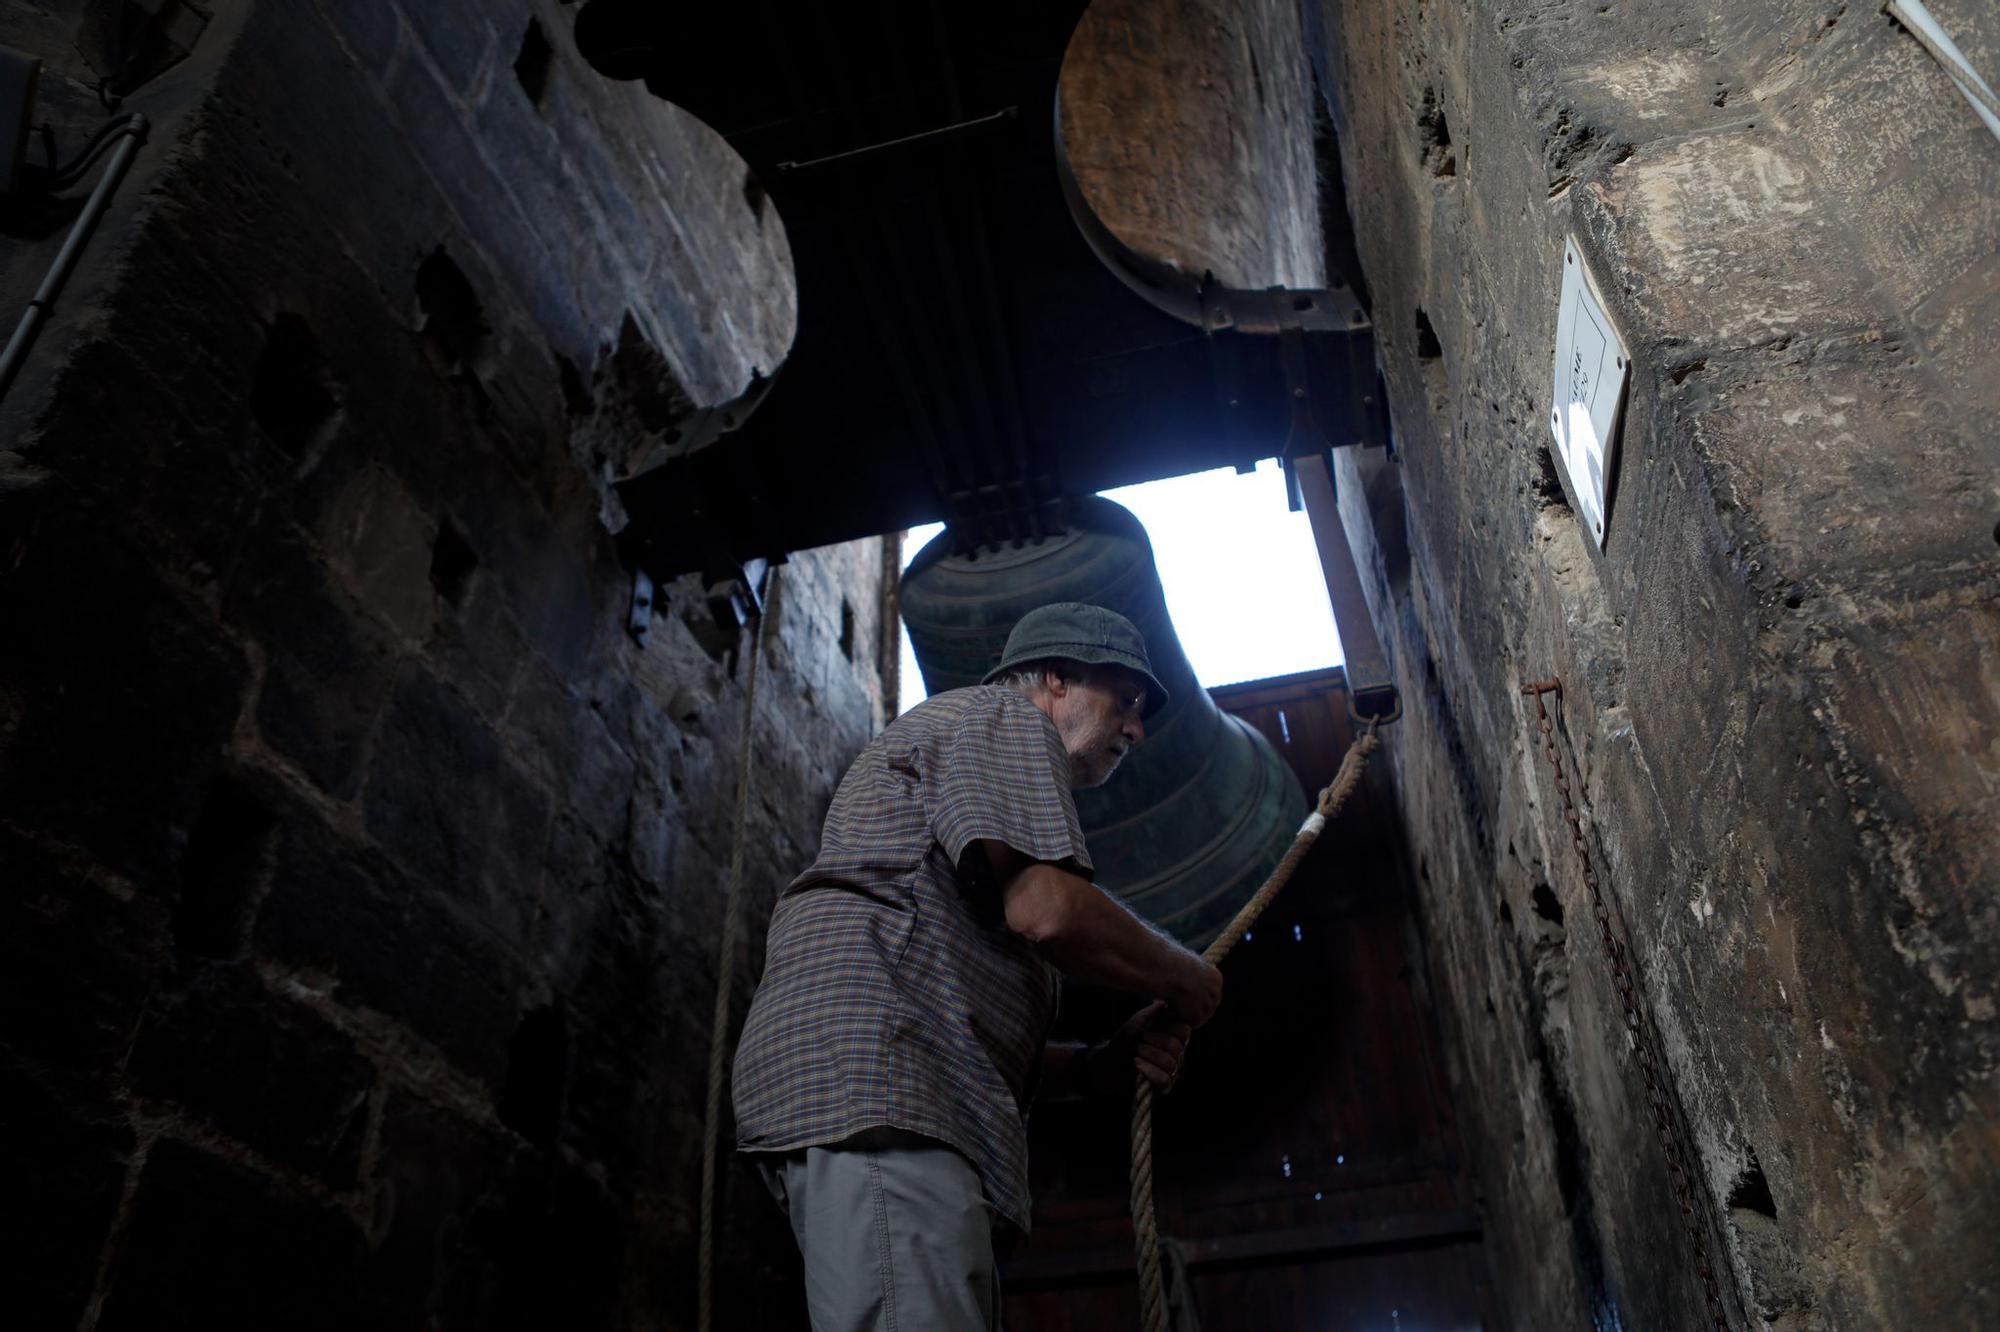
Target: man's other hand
{"x":1154,"y":1041}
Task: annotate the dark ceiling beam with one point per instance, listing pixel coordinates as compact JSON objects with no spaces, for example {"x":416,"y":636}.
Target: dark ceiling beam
{"x":962,"y":354}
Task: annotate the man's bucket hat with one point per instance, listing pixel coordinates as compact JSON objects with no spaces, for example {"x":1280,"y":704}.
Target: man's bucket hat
{"x":1076,"y":631}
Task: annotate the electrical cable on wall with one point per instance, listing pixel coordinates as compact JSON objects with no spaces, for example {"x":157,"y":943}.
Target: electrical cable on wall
{"x":129,"y":133}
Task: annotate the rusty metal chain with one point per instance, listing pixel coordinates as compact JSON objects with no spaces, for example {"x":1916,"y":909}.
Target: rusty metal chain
{"x":1643,"y":1045}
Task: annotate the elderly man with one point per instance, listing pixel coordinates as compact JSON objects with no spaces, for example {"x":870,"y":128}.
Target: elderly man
{"x":899,"y":1034}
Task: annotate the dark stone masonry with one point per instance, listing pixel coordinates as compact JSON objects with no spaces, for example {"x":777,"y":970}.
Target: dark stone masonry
{"x":1779,"y":712}
{"x":362,"y":877}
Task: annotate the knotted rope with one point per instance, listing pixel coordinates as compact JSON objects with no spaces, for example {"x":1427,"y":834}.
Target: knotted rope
{"x":1145,"y":1225}
{"x":725,"y":980}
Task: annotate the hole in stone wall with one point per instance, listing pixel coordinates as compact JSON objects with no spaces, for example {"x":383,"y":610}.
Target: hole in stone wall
{"x":531,"y":1102}
{"x":129,"y":43}
{"x":454,"y":322}
{"x":1548,"y":486}
{"x":452,"y":563}
{"x":576,"y":394}
{"x":1428,"y":346}
{"x":1566,"y":1137}
{"x":846,"y":629}
{"x":228,"y":851}
{"x":755,"y":195}
{"x":1547,"y":906}
{"x":1506,"y":912}
{"x":294,"y":397}
{"x":641,"y":374}
{"x":1752,"y":1192}
{"x":531,"y":66}
{"x":1434,"y":137}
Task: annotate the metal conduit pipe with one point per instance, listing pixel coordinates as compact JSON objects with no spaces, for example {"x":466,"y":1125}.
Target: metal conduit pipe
{"x":37,"y":313}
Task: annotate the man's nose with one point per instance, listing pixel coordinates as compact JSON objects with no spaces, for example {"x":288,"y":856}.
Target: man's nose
{"x":1135,"y":730}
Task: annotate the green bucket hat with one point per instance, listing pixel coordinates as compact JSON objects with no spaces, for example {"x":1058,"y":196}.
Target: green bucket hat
{"x":1076,"y":631}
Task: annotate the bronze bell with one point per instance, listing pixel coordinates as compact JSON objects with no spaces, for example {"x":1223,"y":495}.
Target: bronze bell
{"x":1197,"y":816}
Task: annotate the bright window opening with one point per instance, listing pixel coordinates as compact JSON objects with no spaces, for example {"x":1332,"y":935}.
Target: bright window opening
{"x":1240,"y":572}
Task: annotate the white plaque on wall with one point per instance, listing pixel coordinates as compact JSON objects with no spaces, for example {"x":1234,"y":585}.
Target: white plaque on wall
{"x":1591,"y":367}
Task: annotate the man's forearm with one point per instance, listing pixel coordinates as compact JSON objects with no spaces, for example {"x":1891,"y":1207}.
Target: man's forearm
{"x":1083,"y":932}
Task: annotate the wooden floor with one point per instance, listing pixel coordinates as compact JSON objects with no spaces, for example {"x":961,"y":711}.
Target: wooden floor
{"x":1309,"y":1161}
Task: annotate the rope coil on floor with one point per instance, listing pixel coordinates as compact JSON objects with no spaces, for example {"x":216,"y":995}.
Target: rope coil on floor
{"x":1145,"y":1224}
{"x":725,"y":981}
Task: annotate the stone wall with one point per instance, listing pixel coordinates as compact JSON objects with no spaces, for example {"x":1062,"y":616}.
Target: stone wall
{"x":1780,"y":711}
{"x":361,"y":876}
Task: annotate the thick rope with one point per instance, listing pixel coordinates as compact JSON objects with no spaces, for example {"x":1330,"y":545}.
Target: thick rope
{"x":1961,"y":71}
{"x":725,"y":980}
{"x":1145,"y":1224}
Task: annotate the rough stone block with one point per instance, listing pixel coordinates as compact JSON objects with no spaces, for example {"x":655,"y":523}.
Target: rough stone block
{"x":444,"y":1184}
{"x":1768,"y":193}
{"x":1903,"y":159}
{"x":479,"y":646}
{"x":188,"y":479}
{"x":248,"y":465}
{"x":1894,"y":682}
{"x":379,"y":539}
{"x":521,"y":147}
{"x":1694,"y":247}
{"x":125,"y":697}
{"x":458,"y":35}
{"x":341,"y":156}
{"x":1787,"y":439}
{"x":484,"y":1233}
{"x":261,"y":1067}
{"x":446,"y":801}
{"x":214,"y":1247}
{"x":392,"y":945}
{"x":328,"y":666}
{"x":569,"y":739}
{"x":573,"y":609}
{"x":651,"y":831}
{"x":76,"y":959}
{"x":65,"y":1158}
{"x":564,"y":1250}
{"x":371,"y":29}
{"x":1959,"y":330}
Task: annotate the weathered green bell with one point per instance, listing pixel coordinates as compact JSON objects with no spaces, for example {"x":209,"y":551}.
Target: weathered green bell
{"x":1197,"y":816}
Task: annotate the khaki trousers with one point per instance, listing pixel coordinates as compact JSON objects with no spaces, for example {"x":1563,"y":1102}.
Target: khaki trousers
{"x":896,"y":1233}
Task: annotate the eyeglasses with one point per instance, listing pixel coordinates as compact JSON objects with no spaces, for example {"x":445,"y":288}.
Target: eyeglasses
{"x":1129,"y":697}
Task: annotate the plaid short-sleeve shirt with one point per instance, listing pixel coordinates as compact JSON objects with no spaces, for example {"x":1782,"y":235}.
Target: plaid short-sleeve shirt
{"x":894,"y":995}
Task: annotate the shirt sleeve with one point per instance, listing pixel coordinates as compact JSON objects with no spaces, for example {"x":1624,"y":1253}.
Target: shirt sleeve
{"x":1003,"y":774}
